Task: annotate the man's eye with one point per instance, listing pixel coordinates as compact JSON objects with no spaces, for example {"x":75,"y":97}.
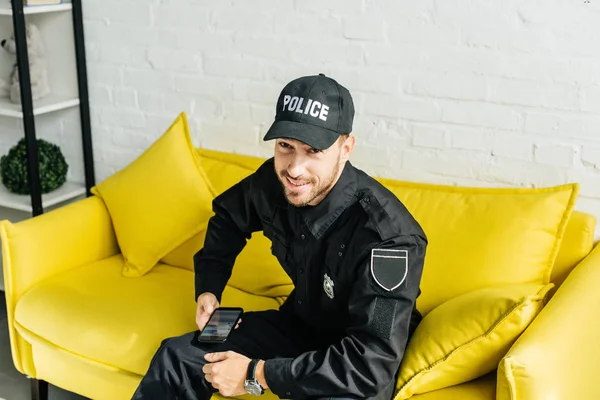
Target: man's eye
{"x":315,"y":151}
{"x":284,"y":145}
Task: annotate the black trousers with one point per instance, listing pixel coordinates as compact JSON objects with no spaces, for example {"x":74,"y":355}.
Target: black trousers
{"x":175,"y":372}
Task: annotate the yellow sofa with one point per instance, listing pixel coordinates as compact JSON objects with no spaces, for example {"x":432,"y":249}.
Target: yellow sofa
{"x":77,"y":322}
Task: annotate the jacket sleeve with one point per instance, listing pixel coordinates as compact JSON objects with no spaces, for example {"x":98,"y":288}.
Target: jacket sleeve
{"x":228,"y":231}
{"x":367,"y":359}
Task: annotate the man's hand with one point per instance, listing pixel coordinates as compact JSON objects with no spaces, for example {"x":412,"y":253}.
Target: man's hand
{"x":227,"y":372}
{"x":207,"y":303}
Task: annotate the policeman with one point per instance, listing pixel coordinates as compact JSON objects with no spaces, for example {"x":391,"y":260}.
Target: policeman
{"x":353,"y":251}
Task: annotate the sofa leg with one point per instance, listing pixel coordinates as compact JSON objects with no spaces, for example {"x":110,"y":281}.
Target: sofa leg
{"x":39,"y":389}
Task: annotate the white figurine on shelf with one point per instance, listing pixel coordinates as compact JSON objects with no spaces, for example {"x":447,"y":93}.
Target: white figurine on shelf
{"x":37,"y":67}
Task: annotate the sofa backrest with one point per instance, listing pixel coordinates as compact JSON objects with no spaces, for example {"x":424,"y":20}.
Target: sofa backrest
{"x":575,"y":246}
{"x":424,"y":201}
{"x":481,"y":237}
{"x":225,"y":170}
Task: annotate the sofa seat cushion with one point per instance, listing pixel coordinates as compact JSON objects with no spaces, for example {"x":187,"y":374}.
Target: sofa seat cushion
{"x":483,"y":388}
{"x":268,"y":395}
{"x":95,"y":312}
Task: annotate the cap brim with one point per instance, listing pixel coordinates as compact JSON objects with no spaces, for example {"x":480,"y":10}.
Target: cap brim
{"x":314,"y":136}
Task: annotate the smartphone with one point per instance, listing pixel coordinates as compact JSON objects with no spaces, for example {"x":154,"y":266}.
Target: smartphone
{"x":220,"y":324}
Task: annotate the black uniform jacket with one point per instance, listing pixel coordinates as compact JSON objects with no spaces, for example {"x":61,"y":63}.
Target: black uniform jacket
{"x":356,"y":261}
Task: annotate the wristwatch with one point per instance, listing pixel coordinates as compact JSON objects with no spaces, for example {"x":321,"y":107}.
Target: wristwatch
{"x":251,"y":384}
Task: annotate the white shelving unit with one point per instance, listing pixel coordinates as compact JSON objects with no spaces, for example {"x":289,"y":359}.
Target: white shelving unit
{"x":19,"y":202}
{"x":55,"y":22}
{"x":60,"y":114}
{"x":29,"y":10}
{"x":45,"y":105}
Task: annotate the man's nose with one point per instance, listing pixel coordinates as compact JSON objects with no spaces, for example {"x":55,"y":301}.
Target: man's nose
{"x":296,"y":167}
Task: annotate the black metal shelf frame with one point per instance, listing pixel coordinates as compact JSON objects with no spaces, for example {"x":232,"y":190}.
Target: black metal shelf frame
{"x":39,"y":388}
{"x":27,"y":103}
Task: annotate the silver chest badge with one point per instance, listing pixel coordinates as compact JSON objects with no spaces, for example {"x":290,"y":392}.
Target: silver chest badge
{"x":328,"y":286}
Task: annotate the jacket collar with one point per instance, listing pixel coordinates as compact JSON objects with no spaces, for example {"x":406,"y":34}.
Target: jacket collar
{"x":343,"y":194}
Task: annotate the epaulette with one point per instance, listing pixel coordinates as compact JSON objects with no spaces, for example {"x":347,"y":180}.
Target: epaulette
{"x":379,"y":220}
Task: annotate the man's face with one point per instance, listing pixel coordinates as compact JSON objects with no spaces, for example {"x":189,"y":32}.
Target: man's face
{"x":308,"y":174}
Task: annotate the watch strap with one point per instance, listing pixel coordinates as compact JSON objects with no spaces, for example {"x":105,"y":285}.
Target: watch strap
{"x":251,"y":374}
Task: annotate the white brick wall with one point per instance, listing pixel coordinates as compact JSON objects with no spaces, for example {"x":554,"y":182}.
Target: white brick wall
{"x":483,"y":93}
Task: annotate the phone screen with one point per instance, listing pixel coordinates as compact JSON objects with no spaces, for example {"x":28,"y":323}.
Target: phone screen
{"x":221,"y":323}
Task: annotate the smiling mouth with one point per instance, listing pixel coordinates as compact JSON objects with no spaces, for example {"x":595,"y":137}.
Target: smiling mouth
{"x":296,"y":184}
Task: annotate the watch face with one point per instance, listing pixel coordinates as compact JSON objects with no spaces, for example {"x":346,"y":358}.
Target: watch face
{"x":253,"y":388}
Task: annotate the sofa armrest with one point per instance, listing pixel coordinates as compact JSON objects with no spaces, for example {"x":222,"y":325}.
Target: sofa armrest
{"x":40,"y":247}
{"x":558,"y":356}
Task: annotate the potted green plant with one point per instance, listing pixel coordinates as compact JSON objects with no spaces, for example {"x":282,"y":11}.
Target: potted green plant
{"x":52,"y":165}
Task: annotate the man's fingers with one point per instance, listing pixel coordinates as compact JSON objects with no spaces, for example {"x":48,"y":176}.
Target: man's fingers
{"x":216,"y":357}
{"x":238,"y":324}
{"x":205,"y":313}
{"x":201,"y":321}
{"x":209,"y":305}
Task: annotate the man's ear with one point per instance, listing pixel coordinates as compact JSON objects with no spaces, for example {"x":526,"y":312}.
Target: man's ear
{"x":347,"y":147}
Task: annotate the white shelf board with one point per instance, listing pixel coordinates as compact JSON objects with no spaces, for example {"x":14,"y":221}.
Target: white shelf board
{"x":5,"y":9}
{"x":22,"y":202}
{"x":44,"y":105}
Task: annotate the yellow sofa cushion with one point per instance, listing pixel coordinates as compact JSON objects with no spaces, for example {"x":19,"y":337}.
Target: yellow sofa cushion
{"x":268,"y":395}
{"x":224,"y":170}
{"x":479,"y":237}
{"x":158,"y":201}
{"x":183,"y":255}
{"x":95,"y":312}
{"x":467,"y":336}
{"x":483,"y":388}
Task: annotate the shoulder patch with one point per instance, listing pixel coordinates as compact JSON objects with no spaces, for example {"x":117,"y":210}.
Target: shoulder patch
{"x":389,"y":267}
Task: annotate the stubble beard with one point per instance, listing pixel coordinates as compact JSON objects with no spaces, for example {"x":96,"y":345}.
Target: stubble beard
{"x":315,"y":193}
